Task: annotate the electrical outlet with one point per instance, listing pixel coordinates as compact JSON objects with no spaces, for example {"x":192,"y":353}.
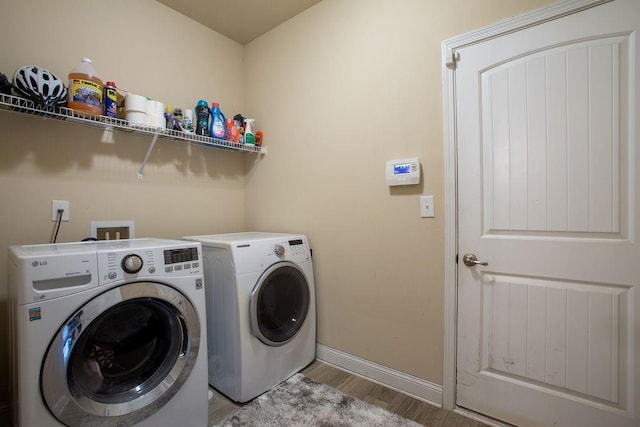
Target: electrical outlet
{"x":112,"y":230}
{"x":426,"y":207}
{"x":60,"y":205}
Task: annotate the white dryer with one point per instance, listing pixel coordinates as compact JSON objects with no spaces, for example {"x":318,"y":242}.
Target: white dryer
{"x":108,"y":333}
{"x":261,"y":310}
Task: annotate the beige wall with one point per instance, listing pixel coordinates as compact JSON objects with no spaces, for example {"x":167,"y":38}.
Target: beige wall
{"x":339,"y":90}
{"x":153,"y":52}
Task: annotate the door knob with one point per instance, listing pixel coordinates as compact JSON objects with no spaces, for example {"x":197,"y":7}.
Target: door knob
{"x":470,"y":260}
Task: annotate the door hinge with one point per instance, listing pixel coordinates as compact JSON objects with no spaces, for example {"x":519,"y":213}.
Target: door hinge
{"x":452,"y":59}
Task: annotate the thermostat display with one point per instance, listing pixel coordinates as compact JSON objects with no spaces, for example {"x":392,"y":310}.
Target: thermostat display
{"x":403,"y":171}
{"x":402,"y":168}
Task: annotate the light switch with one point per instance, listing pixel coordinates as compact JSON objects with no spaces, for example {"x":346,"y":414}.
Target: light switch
{"x":426,"y":207}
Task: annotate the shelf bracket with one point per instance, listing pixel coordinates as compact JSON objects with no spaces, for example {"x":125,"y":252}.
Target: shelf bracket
{"x":146,"y":158}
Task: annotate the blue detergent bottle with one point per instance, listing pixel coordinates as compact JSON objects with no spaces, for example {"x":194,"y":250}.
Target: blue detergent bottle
{"x":218,"y":122}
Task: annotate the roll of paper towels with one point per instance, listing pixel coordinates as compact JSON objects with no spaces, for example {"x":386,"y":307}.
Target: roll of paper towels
{"x":157,"y":122}
{"x":136,"y":117}
{"x":134,"y":102}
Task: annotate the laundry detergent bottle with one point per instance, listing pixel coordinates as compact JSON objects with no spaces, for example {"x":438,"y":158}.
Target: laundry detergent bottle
{"x":202,"y":118}
{"x":218,"y":122}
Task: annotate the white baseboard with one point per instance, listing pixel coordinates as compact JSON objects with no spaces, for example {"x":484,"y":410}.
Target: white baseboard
{"x":396,"y":380}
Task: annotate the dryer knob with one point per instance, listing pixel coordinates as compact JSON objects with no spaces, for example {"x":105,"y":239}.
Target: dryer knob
{"x":132,"y":263}
{"x":279,"y":250}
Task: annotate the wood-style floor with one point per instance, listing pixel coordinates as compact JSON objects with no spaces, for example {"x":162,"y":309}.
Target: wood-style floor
{"x":376,"y":394}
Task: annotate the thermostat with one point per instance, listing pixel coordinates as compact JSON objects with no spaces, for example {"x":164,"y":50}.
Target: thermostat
{"x":403,"y":171}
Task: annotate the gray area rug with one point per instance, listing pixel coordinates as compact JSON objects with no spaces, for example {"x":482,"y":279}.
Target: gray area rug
{"x":300,"y":401}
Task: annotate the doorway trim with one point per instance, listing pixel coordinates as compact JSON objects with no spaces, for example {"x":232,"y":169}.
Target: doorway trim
{"x":450,"y":53}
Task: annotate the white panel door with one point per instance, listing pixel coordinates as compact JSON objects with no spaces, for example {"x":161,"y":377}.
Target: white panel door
{"x":549,"y":196}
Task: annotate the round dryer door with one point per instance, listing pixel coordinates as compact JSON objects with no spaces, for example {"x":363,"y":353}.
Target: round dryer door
{"x":121,"y":356}
{"x":279,"y":304}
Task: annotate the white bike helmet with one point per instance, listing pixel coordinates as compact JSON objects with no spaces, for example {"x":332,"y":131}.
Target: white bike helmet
{"x":40,"y":86}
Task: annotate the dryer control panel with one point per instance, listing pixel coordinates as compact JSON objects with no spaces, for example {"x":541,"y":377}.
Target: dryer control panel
{"x":296,"y":250}
{"x":255,"y":251}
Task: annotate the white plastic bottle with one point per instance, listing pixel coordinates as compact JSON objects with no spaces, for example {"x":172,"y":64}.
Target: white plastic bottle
{"x":249,"y":136}
{"x":187,"y":124}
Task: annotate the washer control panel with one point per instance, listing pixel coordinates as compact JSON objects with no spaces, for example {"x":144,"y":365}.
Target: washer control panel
{"x":43,"y":272}
{"x":125,"y":263}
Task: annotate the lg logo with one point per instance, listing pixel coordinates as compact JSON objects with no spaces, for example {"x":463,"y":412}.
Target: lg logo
{"x":38,"y":263}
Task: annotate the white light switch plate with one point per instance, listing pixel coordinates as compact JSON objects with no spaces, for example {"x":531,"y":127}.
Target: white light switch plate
{"x":426,"y":207}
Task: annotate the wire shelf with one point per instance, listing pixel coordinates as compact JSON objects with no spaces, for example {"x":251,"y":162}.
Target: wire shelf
{"x":25,"y":106}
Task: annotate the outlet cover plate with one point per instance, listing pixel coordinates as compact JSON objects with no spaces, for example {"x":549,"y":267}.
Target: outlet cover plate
{"x":98,"y":227}
{"x":59,"y":204}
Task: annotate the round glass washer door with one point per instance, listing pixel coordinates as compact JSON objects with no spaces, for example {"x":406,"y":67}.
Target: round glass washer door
{"x":279,"y":304}
{"x":121,"y":356}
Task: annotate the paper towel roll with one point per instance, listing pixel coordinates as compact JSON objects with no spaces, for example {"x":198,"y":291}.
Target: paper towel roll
{"x":154,"y":108}
{"x":159,"y":109}
{"x":134,"y":102}
{"x":136,"y":117}
{"x":157,"y":122}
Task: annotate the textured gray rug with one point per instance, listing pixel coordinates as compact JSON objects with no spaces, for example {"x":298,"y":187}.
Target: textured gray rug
{"x":300,"y":401}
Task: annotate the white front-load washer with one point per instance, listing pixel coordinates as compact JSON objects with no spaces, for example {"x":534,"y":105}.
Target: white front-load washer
{"x":261,"y":310}
{"x":109,"y":333}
